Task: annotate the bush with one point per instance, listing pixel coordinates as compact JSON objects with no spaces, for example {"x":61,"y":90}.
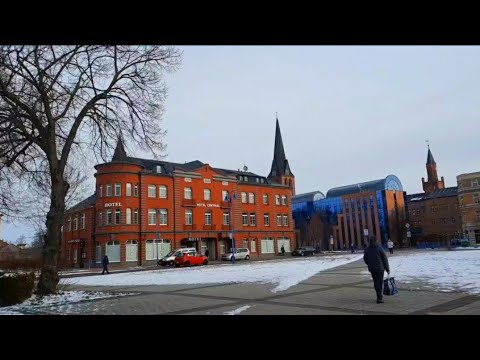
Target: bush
{"x":21,"y":264}
{"x":16,"y":288}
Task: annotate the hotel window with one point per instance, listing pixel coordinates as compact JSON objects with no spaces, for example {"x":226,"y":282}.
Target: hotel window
{"x":117,"y":216}
{"x":75,"y":222}
{"x":207,"y":194}
{"x":266,"y":219}
{"x":251,"y":198}
{"x":82,"y":221}
{"x":226,"y":218}
{"x":128,"y":189}
{"x":135,"y":216}
{"x":163,"y":217}
{"x":277,"y":199}
{"x":208,"y":218}
{"x":474,"y":182}
{"x":152,"y":218}
{"x":284,"y":200}
{"x":100,"y":190}
{"x":476,"y":200}
{"x":109,"y":190}
{"x":265,"y":199}
{"x":285,"y":220}
{"x":188,"y":193}
{"x":162,"y":191}
{"x":188,"y":217}
{"x":152,"y":191}
{"x":224,"y":195}
{"x":118,"y":189}
{"x":244,"y":197}
{"x":128,"y":216}
{"x":279,"y":220}
{"x":245,"y":243}
{"x":69,"y":226}
{"x":109,"y":217}
{"x":461,"y":200}
{"x":253,"y":221}
{"x":244,"y":219}
{"x":100,"y":218}
{"x":135,"y":190}
{"x":254,"y":246}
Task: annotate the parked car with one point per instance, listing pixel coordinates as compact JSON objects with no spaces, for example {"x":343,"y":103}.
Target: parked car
{"x":190,"y":259}
{"x":304,"y":251}
{"x":169,"y":259}
{"x":240,"y":254}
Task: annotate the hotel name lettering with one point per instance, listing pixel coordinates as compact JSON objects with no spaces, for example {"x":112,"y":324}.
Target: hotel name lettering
{"x":208,"y":205}
{"x":113,"y":204}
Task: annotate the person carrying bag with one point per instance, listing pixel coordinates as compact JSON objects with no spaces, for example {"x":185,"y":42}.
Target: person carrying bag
{"x":389,"y":286}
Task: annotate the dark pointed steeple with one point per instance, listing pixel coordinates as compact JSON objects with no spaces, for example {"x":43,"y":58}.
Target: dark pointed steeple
{"x":120,"y":154}
{"x":430,"y":160}
{"x":280,"y":166}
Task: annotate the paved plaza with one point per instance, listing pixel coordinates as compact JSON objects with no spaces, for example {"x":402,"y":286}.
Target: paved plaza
{"x":338,"y":291}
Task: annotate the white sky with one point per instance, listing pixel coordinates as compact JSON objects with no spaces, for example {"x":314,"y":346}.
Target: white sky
{"x":347,"y":114}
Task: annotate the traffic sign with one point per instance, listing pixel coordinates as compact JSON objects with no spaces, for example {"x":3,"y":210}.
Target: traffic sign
{"x":407,"y":225}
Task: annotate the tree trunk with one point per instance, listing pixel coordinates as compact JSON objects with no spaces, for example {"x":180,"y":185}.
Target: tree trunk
{"x":49,"y":276}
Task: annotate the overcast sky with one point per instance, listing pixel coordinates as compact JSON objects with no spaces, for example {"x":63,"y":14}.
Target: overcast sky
{"x":347,"y":114}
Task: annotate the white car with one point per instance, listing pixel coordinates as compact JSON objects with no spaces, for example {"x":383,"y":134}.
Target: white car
{"x":240,"y":254}
{"x":169,"y":259}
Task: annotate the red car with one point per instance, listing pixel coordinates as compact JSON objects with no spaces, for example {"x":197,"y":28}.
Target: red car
{"x":190,"y":259}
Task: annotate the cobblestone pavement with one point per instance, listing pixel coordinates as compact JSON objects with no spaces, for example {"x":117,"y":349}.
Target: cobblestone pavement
{"x":342,"y":290}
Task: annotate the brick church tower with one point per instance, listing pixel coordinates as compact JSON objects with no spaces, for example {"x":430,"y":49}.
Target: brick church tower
{"x":432,"y":182}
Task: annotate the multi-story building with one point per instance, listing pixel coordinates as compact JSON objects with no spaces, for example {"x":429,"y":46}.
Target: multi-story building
{"x":143,"y":208}
{"x":434,"y":215}
{"x":469,"y":199}
{"x":351,"y":213}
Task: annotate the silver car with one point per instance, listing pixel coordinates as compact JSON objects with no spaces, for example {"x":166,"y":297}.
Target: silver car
{"x":240,"y":254}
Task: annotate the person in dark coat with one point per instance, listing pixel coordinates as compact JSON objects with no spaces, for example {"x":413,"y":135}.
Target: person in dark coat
{"x":352,"y":248}
{"x":207,"y":253}
{"x":377,"y":263}
{"x":283,"y":250}
{"x":105,"y":263}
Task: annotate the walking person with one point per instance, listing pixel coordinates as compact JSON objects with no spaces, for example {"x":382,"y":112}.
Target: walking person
{"x":390,"y":246}
{"x":105,"y":263}
{"x":352,"y":248}
{"x":377,"y":263}
{"x":207,"y":253}
{"x":331,"y":243}
{"x":283,"y":250}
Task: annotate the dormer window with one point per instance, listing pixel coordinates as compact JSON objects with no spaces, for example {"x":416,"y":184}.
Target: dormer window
{"x":158,"y":169}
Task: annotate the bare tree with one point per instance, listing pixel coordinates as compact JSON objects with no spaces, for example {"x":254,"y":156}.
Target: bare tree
{"x":39,"y":239}
{"x":62,"y":101}
{"x":21,"y":240}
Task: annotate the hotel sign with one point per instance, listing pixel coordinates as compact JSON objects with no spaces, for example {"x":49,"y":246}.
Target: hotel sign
{"x":208,"y":205}
{"x":113,"y":204}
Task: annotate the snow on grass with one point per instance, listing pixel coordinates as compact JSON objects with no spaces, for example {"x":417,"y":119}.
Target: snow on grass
{"x":237,"y":311}
{"x":446,"y":270}
{"x":283,"y":273}
{"x":55,"y":302}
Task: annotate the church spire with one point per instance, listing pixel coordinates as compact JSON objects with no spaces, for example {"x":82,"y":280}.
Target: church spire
{"x":280,"y":165}
{"x":432,"y":182}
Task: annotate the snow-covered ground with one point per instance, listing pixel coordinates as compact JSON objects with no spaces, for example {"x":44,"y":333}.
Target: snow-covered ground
{"x":55,"y":302}
{"x":237,"y":311}
{"x":447,"y":270}
{"x":284,"y":273}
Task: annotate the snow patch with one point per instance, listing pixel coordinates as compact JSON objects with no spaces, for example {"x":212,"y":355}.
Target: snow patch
{"x":237,"y":311}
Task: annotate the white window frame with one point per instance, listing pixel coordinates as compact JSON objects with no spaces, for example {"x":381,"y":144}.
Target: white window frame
{"x":277,"y":199}
{"x":251,"y":198}
{"x":253,"y":246}
{"x":265,"y":199}
{"x":254,"y":217}
{"x":152,"y":191}
{"x":118,"y":189}
{"x":163,"y":217}
{"x":476,"y":198}
{"x":207,"y":194}
{"x":82,"y":221}
{"x":245,"y":219}
{"x":279,"y":220}
{"x":118,"y":220}
{"x":188,"y":193}
{"x":208,"y":218}
{"x":188,"y":217}
{"x":285,"y":220}
{"x":109,"y":217}
{"x":226,"y":218}
{"x":224,"y":194}
{"x":109,"y":190}
{"x":152,"y":217}
{"x":128,"y":216}
{"x":100,"y":191}
{"x":75,"y":223}
{"x":284,"y":200}
{"x":474,"y":182}
{"x":162,"y":191}
{"x":135,"y":190}
{"x":244,"y":197}
{"x":128,"y":189}
{"x":135,"y":216}
{"x":266,"y":219}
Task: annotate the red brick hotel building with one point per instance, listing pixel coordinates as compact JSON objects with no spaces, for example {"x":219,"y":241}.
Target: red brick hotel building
{"x":142,"y":209}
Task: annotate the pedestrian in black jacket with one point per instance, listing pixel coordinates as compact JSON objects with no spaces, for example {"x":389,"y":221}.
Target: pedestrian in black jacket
{"x":105,"y":263}
{"x":377,"y":262}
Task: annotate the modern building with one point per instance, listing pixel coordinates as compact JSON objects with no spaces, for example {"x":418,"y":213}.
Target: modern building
{"x":469,"y":198}
{"x":352,"y":213}
{"x":144,"y":208}
{"x":434,"y":215}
